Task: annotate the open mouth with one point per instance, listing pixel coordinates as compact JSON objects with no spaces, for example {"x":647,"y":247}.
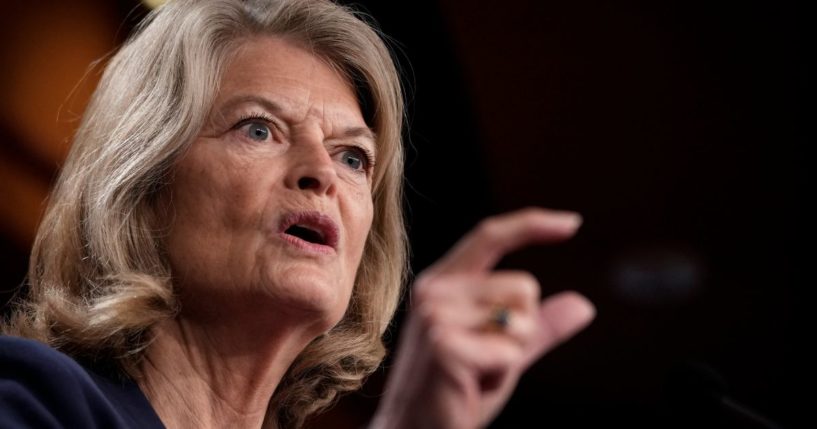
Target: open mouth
{"x":311,"y":227}
{"x":306,"y":234}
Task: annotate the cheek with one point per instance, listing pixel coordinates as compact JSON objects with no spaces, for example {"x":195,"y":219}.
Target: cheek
{"x":218,"y":185}
{"x":200,"y":203}
{"x":212,"y":203}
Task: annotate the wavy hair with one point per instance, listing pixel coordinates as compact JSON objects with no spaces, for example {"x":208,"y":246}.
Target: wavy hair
{"x":98,"y":280}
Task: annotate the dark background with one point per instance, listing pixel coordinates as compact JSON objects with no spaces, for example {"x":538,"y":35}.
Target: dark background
{"x":677,"y":128}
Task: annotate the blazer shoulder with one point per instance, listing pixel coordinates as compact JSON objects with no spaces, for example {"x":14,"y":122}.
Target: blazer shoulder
{"x":42,"y":387}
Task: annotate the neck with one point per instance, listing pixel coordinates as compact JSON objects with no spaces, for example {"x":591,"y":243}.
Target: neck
{"x":204,"y":375}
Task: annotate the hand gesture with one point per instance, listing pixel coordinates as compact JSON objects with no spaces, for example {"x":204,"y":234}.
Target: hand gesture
{"x":473,"y":331}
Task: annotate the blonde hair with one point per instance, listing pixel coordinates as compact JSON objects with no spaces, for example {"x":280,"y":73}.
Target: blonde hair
{"x":98,"y":278}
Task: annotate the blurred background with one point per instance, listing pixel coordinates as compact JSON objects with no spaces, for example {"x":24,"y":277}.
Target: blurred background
{"x":677,"y":128}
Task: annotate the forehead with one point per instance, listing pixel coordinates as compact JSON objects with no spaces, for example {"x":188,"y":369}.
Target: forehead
{"x":274,"y":66}
{"x":286,"y":79}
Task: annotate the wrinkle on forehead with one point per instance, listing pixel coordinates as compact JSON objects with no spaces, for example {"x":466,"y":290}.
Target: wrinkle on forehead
{"x":307,"y":86}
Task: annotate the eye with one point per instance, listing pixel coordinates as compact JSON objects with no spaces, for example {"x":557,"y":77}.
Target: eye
{"x":352,"y":159}
{"x":257,"y":131}
{"x":356,"y":159}
{"x":257,"y":127}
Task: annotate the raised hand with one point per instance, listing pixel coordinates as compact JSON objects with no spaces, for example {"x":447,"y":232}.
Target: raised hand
{"x":473,"y":331}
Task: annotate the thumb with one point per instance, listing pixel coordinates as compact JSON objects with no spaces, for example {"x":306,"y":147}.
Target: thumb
{"x":561,"y":316}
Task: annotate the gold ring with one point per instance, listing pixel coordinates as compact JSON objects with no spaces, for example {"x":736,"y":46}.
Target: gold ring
{"x":500,"y":319}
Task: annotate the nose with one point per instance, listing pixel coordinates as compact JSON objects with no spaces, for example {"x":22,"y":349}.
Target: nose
{"x":311,"y":169}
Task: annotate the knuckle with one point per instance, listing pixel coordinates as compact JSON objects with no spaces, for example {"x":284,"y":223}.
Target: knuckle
{"x":523,"y":285}
{"x":489,"y":229}
{"x":429,"y":287}
{"x":429,"y":315}
{"x":423,"y":289}
{"x":528,"y":285}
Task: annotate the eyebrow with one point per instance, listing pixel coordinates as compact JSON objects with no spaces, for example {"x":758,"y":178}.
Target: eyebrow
{"x":265,"y":103}
{"x":273,"y":107}
{"x":358,"y":132}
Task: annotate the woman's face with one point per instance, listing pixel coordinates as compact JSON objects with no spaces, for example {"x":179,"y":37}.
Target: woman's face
{"x":272,"y":204}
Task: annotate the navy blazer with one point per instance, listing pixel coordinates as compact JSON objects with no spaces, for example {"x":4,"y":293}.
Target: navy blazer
{"x":43,"y":388}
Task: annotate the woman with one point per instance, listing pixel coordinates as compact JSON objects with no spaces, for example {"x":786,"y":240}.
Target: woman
{"x":225,"y":247}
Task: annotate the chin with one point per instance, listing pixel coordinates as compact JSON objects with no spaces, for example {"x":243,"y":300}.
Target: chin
{"x":314,"y":297}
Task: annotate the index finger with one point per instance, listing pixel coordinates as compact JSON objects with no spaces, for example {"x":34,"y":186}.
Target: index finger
{"x":482,"y":248}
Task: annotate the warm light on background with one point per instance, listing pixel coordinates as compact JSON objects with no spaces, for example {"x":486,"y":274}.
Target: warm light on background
{"x":46,"y":81}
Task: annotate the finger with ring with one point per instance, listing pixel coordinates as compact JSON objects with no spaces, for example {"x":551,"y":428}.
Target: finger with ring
{"x":499,"y":319}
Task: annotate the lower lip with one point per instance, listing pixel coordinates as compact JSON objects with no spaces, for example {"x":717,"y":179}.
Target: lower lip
{"x":307,"y":246}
